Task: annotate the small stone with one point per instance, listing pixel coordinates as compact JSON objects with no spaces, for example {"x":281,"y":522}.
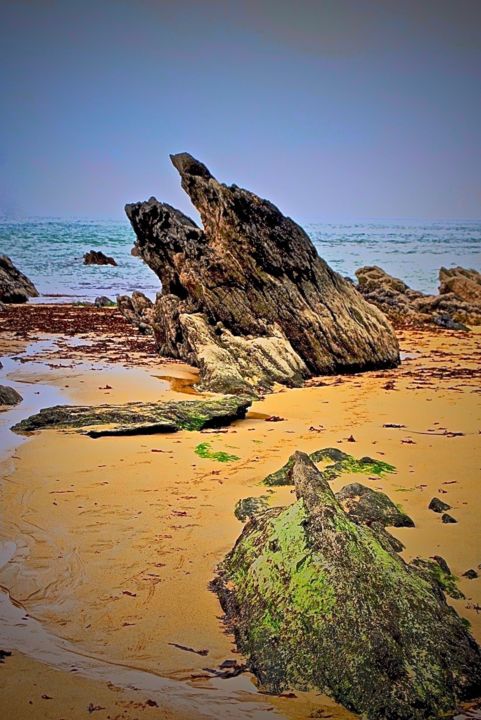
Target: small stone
{"x":438,"y":506}
{"x":9,"y":396}
{"x":448,"y":518}
{"x":471,"y":574}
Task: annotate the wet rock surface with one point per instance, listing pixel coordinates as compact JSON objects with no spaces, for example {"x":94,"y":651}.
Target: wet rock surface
{"x":457,"y":305}
{"x":138,"y":310}
{"x":138,"y":418}
{"x":97,"y":257}
{"x":438,"y":506}
{"x":365,"y":505}
{"x":15,"y":287}
{"x":315,"y":600}
{"x":9,"y":396}
{"x":247,"y":299}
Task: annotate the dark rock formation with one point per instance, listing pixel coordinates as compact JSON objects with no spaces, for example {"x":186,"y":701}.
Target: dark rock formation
{"x":317,"y":601}
{"x":342,"y":463}
{"x":15,"y":287}
{"x":247,"y":299}
{"x":471,"y":574}
{"x":448,"y":519}
{"x":103,"y":301}
{"x":365,"y":505}
{"x":9,"y":396}
{"x":138,"y":310}
{"x":97,"y":257}
{"x":457,"y":305}
{"x":438,"y":506}
{"x":250,"y":506}
{"x":139,"y":418}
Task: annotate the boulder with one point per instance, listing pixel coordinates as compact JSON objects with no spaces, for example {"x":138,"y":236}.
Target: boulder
{"x":9,"y":396}
{"x":138,"y":310}
{"x":103,"y":301}
{"x":365,"y":505}
{"x":457,"y":305}
{"x":317,"y":601}
{"x":438,"y":506}
{"x":138,"y":418}
{"x":15,"y":287}
{"x":247,"y":299}
{"x":97,"y":257}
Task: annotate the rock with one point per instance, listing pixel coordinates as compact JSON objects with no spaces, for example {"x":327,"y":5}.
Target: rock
{"x":362,"y":504}
{"x":139,"y":418}
{"x":15,"y":287}
{"x":447,"y":519}
{"x":247,"y":299}
{"x":138,"y":310}
{"x":471,"y":574}
{"x":103,"y":301}
{"x":97,"y":257}
{"x":438,"y":570}
{"x":9,"y":396}
{"x":250,"y":506}
{"x":405,"y":307}
{"x":438,"y":505}
{"x":343,"y":463}
{"x":315,"y":601}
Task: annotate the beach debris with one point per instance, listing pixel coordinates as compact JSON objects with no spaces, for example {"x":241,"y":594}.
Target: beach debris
{"x":97,"y":257}
{"x":4,"y":654}
{"x":393,"y":425}
{"x":15,"y":287}
{"x":138,"y":418}
{"x":457,"y":305}
{"x":203,"y":450}
{"x":9,"y":396}
{"x":274,"y":418}
{"x":448,"y":519}
{"x":286,"y":589}
{"x":151,"y":703}
{"x":189,"y":649}
{"x":94,"y":708}
{"x":247,"y":299}
{"x":438,"y":506}
{"x":342,"y":464}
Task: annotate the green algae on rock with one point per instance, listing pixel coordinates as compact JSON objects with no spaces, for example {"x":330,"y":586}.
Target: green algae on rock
{"x":250,"y":506}
{"x":203,"y":450}
{"x":316,"y":600}
{"x":342,"y":463}
{"x":363,"y":504}
{"x":139,"y":418}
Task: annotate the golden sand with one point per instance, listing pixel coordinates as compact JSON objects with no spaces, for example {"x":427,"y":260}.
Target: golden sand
{"x":116,"y":539}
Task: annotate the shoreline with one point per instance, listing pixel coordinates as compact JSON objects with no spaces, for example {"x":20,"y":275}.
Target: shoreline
{"x":434,"y":394}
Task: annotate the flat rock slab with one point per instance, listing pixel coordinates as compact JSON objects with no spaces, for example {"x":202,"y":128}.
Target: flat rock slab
{"x":318,"y":601}
{"x":138,"y":418}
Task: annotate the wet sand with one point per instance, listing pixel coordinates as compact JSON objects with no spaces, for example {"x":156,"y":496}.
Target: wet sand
{"x":113,"y":541}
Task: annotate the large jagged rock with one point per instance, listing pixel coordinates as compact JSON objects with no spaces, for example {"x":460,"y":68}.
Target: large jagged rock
{"x":15,"y":287}
{"x":138,"y":310}
{"x":457,"y":305}
{"x":316,"y":600}
{"x":247,"y":299}
{"x":138,"y":418}
{"x":97,"y":257}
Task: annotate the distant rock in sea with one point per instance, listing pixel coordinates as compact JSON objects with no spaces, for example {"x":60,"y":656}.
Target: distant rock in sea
{"x":15,"y":287}
{"x":97,"y":257}
{"x":247,"y":299}
{"x":457,"y":305}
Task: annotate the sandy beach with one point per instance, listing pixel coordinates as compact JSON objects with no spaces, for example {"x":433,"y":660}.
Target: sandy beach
{"x":109,"y":545}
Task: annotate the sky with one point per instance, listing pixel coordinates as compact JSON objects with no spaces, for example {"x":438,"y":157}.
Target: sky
{"x":332,"y":109}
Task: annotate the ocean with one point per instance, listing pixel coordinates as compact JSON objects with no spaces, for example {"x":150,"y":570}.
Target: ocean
{"x":50,"y":251}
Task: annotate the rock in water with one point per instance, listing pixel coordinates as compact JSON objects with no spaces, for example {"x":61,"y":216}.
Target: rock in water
{"x":139,"y":418}
{"x":15,"y":287}
{"x":317,"y":601}
{"x":97,"y":257}
{"x":9,"y":396}
{"x":247,"y":299}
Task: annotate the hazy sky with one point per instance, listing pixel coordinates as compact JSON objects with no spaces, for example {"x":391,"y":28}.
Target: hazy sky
{"x":333,"y":109}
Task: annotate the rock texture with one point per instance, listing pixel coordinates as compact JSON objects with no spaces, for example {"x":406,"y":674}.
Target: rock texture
{"x":9,"y":396}
{"x":138,"y":310}
{"x":316,"y":600}
{"x":97,"y":257}
{"x":15,"y":287}
{"x":247,"y":299}
{"x":138,"y":418}
{"x":457,"y":305}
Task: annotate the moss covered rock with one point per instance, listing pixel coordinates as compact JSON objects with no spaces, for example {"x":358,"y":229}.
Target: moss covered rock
{"x":139,"y":418}
{"x":316,"y":600}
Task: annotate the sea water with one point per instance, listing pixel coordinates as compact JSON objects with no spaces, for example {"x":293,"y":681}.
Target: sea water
{"x":50,"y":251}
